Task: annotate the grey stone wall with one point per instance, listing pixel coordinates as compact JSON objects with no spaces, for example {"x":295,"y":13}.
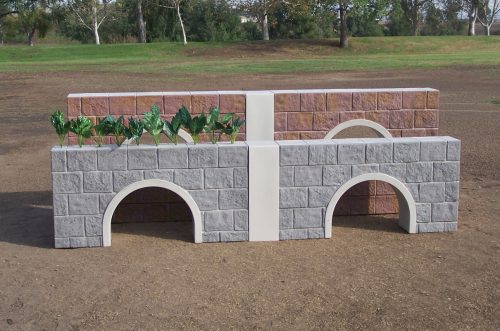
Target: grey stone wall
{"x":312,"y":171}
{"x":86,"y":179}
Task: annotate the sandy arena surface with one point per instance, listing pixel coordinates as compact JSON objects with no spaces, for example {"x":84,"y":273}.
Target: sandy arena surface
{"x":370,"y":275}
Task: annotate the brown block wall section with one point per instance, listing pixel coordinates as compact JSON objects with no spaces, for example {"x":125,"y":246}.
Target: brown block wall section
{"x":301,"y":114}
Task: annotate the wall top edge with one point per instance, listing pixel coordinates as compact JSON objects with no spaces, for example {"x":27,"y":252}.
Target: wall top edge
{"x":261,"y":143}
{"x":242,"y":92}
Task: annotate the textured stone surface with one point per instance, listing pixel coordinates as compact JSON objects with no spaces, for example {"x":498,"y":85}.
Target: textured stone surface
{"x":95,"y":106}
{"x":172,"y":157}
{"x":98,"y":182}
{"x":69,"y":226}
{"x":203,"y":156}
{"x":293,"y":234}
{"x":104,"y":200}
{"x":395,"y":170}
{"x":317,"y":233}
{"x":81,"y":160}
{"x":144,"y":103}
{"x":286,"y":102}
{"x":122,"y":105}
{"x":58,"y":159}
{"x":446,"y":171}
{"x":206,"y":199}
{"x":61,"y":243}
{"x":313,"y":102}
{"x":287,"y":176}
{"x":390,"y":100}
{"x":294,"y":154}
{"x":112,"y":158}
{"x":406,"y":150}
{"x":423,"y":212}
{"x":364,"y":169}
{"x":218,"y":178}
{"x":364,"y":101}
{"x":189,"y":179}
{"x":414,"y":100}
{"x":452,"y":191}
{"x":286,"y":219}
{"x":322,"y":152}
{"x":419,"y":172}
{"x":219,"y":221}
{"x":453,"y":150}
{"x":232,"y":103}
{"x":351,"y":153}
{"x":60,"y":204}
{"x":67,"y":182}
{"x":433,"y":150}
{"x":325,"y":121}
{"x":240,"y":220}
{"x":211,"y":237}
{"x":83,"y":204}
{"x":293,"y":197}
{"x":432,"y":192}
{"x":426,"y":119}
{"x":163,"y":174}
{"x":379,"y":152}
{"x":401,"y":119}
{"x":142,"y":157}
{"x":445,"y":212}
{"x":93,"y":225}
{"x":121,"y":179}
{"x":203,"y":102}
{"x":304,"y":218}
{"x":234,"y":236}
{"x":320,"y":196}
{"x":308,"y":175}
{"x":336,"y":174}
{"x":233,"y":199}
{"x":300,"y":121}
{"x":233,"y":155}
{"x":240,"y":177}
{"x":339,"y":101}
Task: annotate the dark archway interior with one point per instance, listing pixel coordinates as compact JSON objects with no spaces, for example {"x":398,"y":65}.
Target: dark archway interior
{"x":154,"y":211}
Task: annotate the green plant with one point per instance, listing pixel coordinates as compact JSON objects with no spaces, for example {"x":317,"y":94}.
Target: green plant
{"x":232,"y":126}
{"x":116,"y":128}
{"x":82,"y":127}
{"x":194,"y":125}
{"x":134,"y":130}
{"x":61,"y":125}
{"x":153,"y":123}
{"x":171,"y":129}
{"x":213,"y":124}
{"x":101,"y":129}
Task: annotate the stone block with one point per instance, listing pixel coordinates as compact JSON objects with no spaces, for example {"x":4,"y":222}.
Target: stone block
{"x":415,"y":100}
{"x":423,"y":212}
{"x":83,"y":204}
{"x":336,"y":174}
{"x":219,"y":220}
{"x":163,"y":174}
{"x":313,"y":102}
{"x":452,"y":191}
{"x":172,"y":156}
{"x":240,"y":177}
{"x":364,"y":101}
{"x":293,"y":197}
{"x":93,"y":225}
{"x":394,"y":169}
{"x":206,"y":199}
{"x":453,"y":150}
{"x":450,"y":226}
{"x":142,"y":157}
{"x":61,"y":243}
{"x":446,"y":171}
{"x":112,"y":158}
{"x":300,"y":121}
{"x":104,"y":200}
{"x":240,"y":220}
{"x":385,"y":204}
{"x":78,"y":242}
{"x":414,"y":190}
{"x":360,"y":169}
{"x":379,"y":152}
{"x":95,"y":106}
{"x":233,"y":155}
{"x":312,"y":135}
{"x":426,"y":119}
{"x":340,"y":101}
{"x":318,"y":233}
{"x":58,"y":160}
{"x":203,"y":102}
{"x":189,"y":179}
{"x":233,"y":236}
{"x":67,"y":182}
{"x":280,"y":124}
{"x":304,"y":218}
{"x":60,"y":204}
{"x":401,"y":119}
{"x":433,"y":149}
{"x":232,"y":103}
{"x":380,"y":117}
{"x":325,"y":121}
{"x":351,"y":115}
{"x":286,"y":219}
{"x":445,"y":212}
{"x":351,"y":153}
{"x":121,"y":179}
{"x":286,"y":102}
{"x":320,"y":196}
{"x":322,"y":152}
{"x":433,"y":99}
{"x":218,"y":178}
{"x":419,"y":172}
{"x":210,"y":237}
{"x":172,"y":102}
{"x":308,"y":175}
{"x":94,"y":241}
{"x":203,"y":156}
{"x":430,"y":227}
{"x":389,"y":100}
{"x":233,"y":199}
{"x":287,"y":176}
{"x":431,"y":192}
{"x":122,"y":105}
{"x":98,"y":182}
{"x":73,"y":106}
{"x":294,"y":154}
{"x":84,"y":159}
{"x":294,"y":234}
{"x":406,"y":150}
{"x":144,"y":103}
{"x":68,"y":226}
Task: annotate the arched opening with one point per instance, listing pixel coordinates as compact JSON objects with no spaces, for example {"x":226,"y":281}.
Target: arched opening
{"x":364,"y":126}
{"x":156,"y":202}
{"x":407,"y":208}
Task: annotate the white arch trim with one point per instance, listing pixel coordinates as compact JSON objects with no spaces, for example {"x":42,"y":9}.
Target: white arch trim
{"x":110,"y":209}
{"x":407,"y":207}
{"x":379,"y":129}
{"x":182,"y":133}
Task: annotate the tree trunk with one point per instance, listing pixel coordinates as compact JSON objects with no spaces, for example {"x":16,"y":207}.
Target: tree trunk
{"x":414,"y":21}
{"x":31,"y":34}
{"x":265,"y":28}
{"x":141,"y":27}
{"x":487,"y":28}
{"x":182,"y":23}
{"x":95,"y":24}
{"x":344,"y":42}
{"x":1,"y":34}
{"x":472,"y":22}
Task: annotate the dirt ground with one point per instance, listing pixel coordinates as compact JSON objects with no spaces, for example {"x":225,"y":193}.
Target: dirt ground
{"x":370,"y":275}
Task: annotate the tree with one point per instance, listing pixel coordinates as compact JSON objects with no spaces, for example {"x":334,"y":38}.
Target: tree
{"x":472,"y":8}
{"x":176,"y":4}
{"x":33,"y":18}
{"x":91,"y":14}
{"x":412,"y":10}
{"x":141,"y":26}
{"x":5,"y":10}
{"x":490,"y":9}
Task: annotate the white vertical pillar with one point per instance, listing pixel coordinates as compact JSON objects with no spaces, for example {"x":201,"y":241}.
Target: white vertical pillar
{"x":260,"y":116}
{"x":263,"y":187}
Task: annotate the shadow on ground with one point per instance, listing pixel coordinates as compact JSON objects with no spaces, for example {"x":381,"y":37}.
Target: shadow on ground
{"x":385,"y":223}
{"x":181,"y":231}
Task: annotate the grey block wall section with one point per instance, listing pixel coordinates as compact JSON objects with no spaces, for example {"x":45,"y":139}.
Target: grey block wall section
{"x":86,"y":179}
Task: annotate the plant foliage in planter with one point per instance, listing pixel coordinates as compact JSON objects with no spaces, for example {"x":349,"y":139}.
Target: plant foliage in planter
{"x":82,"y":127}
{"x":171,"y":129}
{"x":116,"y":128}
{"x":134,"y":130}
{"x":194,"y":125}
{"x":101,"y":129}
{"x":153,"y":123}
{"x":231,"y":126}
{"x":213,"y":125}
{"x":60,"y":125}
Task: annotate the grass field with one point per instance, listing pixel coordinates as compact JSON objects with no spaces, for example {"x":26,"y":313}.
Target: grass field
{"x":283,"y":56}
